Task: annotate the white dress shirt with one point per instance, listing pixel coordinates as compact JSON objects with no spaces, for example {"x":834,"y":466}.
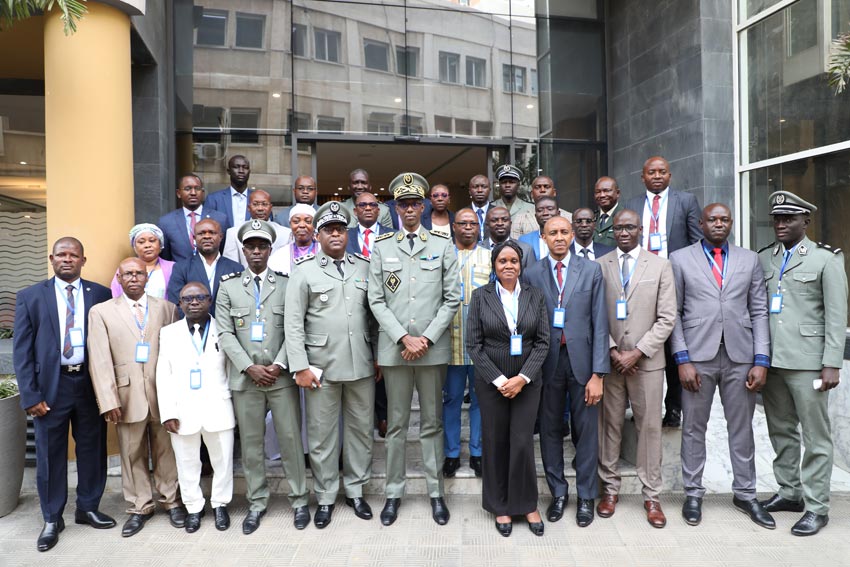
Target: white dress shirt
{"x":591,"y":254}
{"x":662,"y":219}
{"x":510,"y":305}
{"x":553,"y":270}
{"x":375,"y":231}
{"x":79,"y":355}
{"x":210,"y":270}
{"x":239,"y":203}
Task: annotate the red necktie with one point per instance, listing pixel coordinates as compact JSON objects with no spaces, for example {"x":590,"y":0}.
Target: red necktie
{"x":366,"y":234}
{"x":559,"y":266}
{"x":653,"y":220}
{"x":717,"y":266}
{"x":192,"y":223}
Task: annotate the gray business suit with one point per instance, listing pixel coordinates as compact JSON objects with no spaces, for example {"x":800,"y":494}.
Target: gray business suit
{"x":723,"y":331}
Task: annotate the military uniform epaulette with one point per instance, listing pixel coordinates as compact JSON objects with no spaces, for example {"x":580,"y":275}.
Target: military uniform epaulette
{"x":829,"y":248}
{"x":304,"y":258}
{"x":769,"y":246}
{"x":226,"y":277}
{"x":361,"y":256}
{"x":281,"y":274}
{"x":440,"y":234}
{"x":384,"y":236}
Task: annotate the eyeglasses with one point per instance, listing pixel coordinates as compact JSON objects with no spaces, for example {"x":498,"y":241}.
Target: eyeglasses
{"x":133,"y":275}
{"x":187,"y":299}
{"x":408,"y":205}
{"x":261,"y":246}
{"x":334,"y":228}
{"x":625,"y":227}
{"x":466,"y":223}
{"x":368,"y":205}
{"x":582,"y":221}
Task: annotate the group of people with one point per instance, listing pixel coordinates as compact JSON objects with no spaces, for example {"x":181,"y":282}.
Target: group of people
{"x":322,"y":324}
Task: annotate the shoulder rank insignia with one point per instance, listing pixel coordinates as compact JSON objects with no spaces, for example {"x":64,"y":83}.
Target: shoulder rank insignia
{"x":350,"y":258}
{"x":304,"y":258}
{"x":829,"y":248}
{"x":766,"y":248}
{"x":393,"y":282}
{"x":384,"y":236}
{"x":225,"y":277}
{"x":362,"y":257}
{"x":423,"y":235}
{"x":399,"y":236}
{"x":440,"y":234}
{"x":281,"y":274}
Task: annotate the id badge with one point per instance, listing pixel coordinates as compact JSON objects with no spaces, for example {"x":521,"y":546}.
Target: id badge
{"x":776,"y":303}
{"x":195,"y":379}
{"x":143,"y":352}
{"x":516,"y":345}
{"x":257,"y":332}
{"x":655,"y":241}
{"x":559,"y":317}
{"x":76,"y":337}
{"x":462,"y":292}
{"x":621,"y":310}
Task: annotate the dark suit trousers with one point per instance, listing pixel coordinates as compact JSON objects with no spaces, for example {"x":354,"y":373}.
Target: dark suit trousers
{"x":673,"y":397}
{"x":509,"y":475}
{"x":585,"y":432}
{"x":76,"y":406}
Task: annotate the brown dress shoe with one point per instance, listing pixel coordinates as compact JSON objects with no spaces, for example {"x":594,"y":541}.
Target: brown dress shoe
{"x":606,"y":506}
{"x":654,"y":514}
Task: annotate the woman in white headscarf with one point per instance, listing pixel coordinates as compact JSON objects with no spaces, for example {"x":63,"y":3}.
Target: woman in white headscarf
{"x":146,"y":239}
{"x":303,"y":241}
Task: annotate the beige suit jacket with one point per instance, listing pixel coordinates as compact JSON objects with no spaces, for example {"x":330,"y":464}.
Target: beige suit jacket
{"x":119,"y":381}
{"x":651,"y":306}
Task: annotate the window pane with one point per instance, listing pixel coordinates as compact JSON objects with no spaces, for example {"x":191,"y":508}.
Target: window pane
{"x":377,"y":55}
{"x":243,"y":125}
{"x":787,"y":104}
{"x":249,"y":30}
{"x":327,"y":45}
{"x":299,"y":40}
{"x":449,"y":67}
{"x":330,"y":125}
{"x":406,"y":60}
{"x":476,"y":72}
{"x":211,"y":30}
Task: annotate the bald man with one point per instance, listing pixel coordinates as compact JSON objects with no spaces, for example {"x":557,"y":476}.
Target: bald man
{"x":260,"y":207}
{"x":606,"y":193}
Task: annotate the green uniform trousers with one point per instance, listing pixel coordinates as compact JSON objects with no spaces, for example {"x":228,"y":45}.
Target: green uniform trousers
{"x":355,"y":401}
{"x":791,"y":401}
{"x":400,"y":381}
{"x":250,"y":407}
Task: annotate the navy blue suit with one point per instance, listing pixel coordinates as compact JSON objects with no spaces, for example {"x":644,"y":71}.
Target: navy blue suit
{"x":177,"y":245}
{"x":192,"y":270}
{"x":353,"y":246}
{"x":599,"y":250}
{"x":222,"y":202}
{"x":568,"y":368}
{"x":70,"y":397}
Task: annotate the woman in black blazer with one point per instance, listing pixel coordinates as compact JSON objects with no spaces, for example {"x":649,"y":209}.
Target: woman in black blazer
{"x":508,"y":382}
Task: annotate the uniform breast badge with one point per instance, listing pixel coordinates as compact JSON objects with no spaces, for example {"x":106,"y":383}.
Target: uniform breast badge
{"x":393,"y":282}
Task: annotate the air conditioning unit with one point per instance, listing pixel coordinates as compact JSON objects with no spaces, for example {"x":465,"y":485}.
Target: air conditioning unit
{"x":208,"y":151}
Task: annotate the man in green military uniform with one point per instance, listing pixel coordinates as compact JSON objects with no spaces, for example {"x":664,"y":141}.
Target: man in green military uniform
{"x":329,"y":347}
{"x":249,"y":315}
{"x":606,"y":193}
{"x":414,"y":292}
{"x":807,"y":294}
{"x":510,"y":178}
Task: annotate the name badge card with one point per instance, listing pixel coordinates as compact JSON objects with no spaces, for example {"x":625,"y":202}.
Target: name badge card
{"x":776,"y":303}
{"x":195,"y":379}
{"x":257,"y":332}
{"x":655,"y":241}
{"x":621,"y":310}
{"x":143,"y":352}
{"x":76,"y":337}
{"x":516,"y":345}
{"x":559,"y":317}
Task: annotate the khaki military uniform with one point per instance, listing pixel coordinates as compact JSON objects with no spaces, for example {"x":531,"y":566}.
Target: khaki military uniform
{"x":329,"y":326}
{"x":806,"y":336}
{"x":236,"y":310}
{"x":416,"y":292}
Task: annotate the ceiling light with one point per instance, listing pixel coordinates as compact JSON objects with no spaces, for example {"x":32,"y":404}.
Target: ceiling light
{"x":398,"y":99}
{"x":336,"y":194}
{"x":275,"y":95}
{"x":23,"y":163}
{"x":781,"y":120}
{"x":529,"y":106}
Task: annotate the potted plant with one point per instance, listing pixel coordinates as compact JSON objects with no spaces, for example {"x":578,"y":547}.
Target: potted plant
{"x":13,"y":444}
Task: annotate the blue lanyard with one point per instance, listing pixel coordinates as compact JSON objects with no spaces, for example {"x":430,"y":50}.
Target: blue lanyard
{"x":200,"y":348}
{"x":714,"y":264}
{"x":625,"y":282}
{"x":562,"y":286}
{"x":513,"y":313}
{"x":660,"y":208}
{"x":785,"y":261}
{"x":62,"y":293}
{"x":143,"y":325}
{"x":154,"y":269}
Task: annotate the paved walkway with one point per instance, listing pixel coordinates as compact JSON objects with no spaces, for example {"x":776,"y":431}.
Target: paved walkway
{"x":726,"y":537}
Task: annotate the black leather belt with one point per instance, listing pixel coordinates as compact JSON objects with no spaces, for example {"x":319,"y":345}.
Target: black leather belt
{"x":72,"y":368}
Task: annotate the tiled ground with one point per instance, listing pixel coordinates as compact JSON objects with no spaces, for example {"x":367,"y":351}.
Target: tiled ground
{"x":726,"y":537}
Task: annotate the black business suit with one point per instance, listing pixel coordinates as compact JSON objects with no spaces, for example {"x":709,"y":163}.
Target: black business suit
{"x":508,"y":471}
{"x":70,"y":397}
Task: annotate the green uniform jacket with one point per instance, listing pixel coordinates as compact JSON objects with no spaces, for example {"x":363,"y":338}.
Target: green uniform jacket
{"x":235,"y":310}
{"x":809,"y":332}
{"x":604,"y":232}
{"x":517,"y":207}
{"x":328,"y":321}
{"x":415,"y":292}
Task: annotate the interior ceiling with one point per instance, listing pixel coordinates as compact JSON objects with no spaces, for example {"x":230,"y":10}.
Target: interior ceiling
{"x":452,"y":165}
{"x":30,"y":189}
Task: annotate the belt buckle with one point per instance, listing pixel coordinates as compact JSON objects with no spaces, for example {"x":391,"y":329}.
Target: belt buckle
{"x":74,"y":367}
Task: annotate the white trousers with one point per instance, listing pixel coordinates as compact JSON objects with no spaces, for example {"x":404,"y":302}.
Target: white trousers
{"x":187,"y":452}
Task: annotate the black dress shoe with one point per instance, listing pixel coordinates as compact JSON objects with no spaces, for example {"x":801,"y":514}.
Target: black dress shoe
{"x":672,"y":418}
{"x":439,"y":511}
{"x":302,"y":517}
{"x":324,"y":513}
{"x":756,"y":512}
{"x":95,"y":519}
{"x":177,"y":517}
{"x":361,"y":508}
{"x":475,"y":465}
{"x":134,"y":524}
{"x":536,"y":528}
{"x":556,"y":509}
{"x":778,"y":504}
{"x":584,"y":512}
{"x":193,"y":522}
{"x":692,"y":510}
{"x":505,"y":529}
{"x":49,"y":535}
{"x":809,"y":524}
{"x":390,"y":511}
{"x":222,"y":518}
{"x":252,"y":521}
{"x":450,"y":467}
